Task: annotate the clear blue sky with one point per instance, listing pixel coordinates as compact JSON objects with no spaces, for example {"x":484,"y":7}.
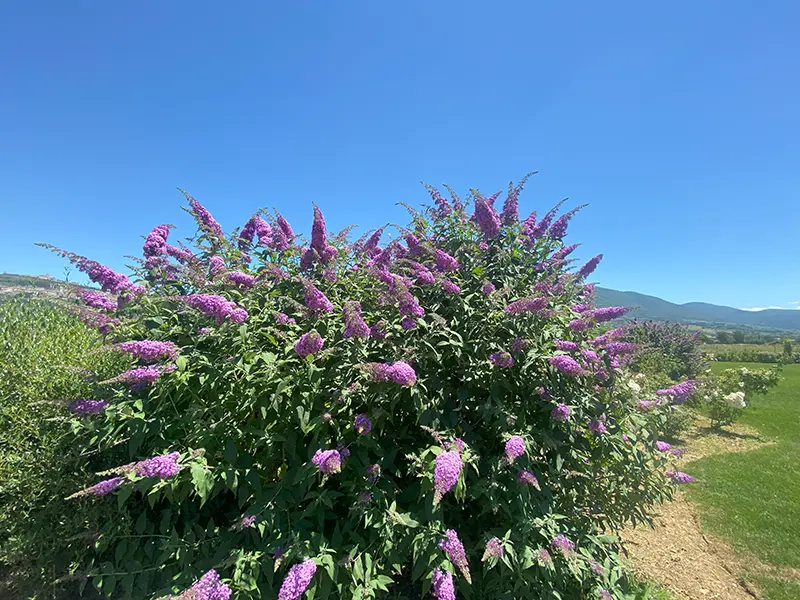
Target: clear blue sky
{"x":678,"y":122}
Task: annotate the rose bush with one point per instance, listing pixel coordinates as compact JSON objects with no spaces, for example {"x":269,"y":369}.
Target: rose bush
{"x":350,"y":420}
{"x":726,"y":394}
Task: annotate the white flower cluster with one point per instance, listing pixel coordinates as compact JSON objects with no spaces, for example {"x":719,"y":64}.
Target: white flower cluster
{"x":735,"y":400}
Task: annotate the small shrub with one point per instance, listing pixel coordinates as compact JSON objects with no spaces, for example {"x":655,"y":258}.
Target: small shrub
{"x":666,"y":348}
{"x":364,"y":420}
{"x":728,"y":393}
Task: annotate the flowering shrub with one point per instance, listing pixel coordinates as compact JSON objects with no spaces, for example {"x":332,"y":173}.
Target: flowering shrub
{"x":665,"y":348}
{"x":728,"y":393}
{"x":384,"y":419}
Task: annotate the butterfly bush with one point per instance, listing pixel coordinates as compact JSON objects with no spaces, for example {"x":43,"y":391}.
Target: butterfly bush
{"x":336,"y":410}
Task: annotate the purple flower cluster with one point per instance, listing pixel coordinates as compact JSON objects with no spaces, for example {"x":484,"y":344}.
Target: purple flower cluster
{"x":560,"y":412}
{"x":319,"y":238}
{"x":515,"y":447}
{"x":149,"y":350}
{"x":579,"y":325}
{"x":309,"y":343}
{"x":528,"y":478}
{"x":83,"y":407}
{"x":141,"y":375}
{"x":103,"y":323}
{"x":598,"y":426}
{"x":244,"y":280}
{"x":398,"y":372}
{"x":180,"y":254}
{"x":566,"y":364}
{"x":204,"y":218}
{"x":216,"y":266}
{"x":355,"y":326}
{"x":373,"y":472}
{"x":297,"y":580}
{"x":543,"y":558}
{"x":442,"y":582}
{"x":663,"y":446}
{"x":162,"y":466}
{"x":315,"y":300}
{"x":283,"y":318}
{"x":363,"y":424}
{"x":247,"y":521}
{"x":487,"y":288}
{"x":454,"y":549}
{"x":502,"y":359}
{"x":422,"y":274}
{"x":450,"y":287}
{"x":519,"y":345}
{"x":494,"y":549}
{"x":218,"y":307}
{"x":98,"y":300}
{"x":155,"y":244}
{"x":620,"y":348}
{"x":445,"y":473}
{"x":589,"y":355}
{"x":208,"y":587}
{"x":328,"y":461}
{"x":566,"y":346}
{"x":679,"y":392}
{"x":525,"y":305}
{"x":444,"y":261}
{"x":562,"y":544}
{"x":679,"y":476}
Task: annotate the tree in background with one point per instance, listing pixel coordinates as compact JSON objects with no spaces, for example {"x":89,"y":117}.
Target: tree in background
{"x":724,"y":337}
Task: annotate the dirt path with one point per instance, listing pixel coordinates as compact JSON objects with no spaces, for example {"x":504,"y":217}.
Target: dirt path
{"x":677,"y":553}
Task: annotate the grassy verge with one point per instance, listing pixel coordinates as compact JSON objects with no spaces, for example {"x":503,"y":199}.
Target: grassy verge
{"x":752,"y":499}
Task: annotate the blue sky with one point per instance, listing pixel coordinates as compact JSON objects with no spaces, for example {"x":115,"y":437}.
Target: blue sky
{"x":677,"y":122}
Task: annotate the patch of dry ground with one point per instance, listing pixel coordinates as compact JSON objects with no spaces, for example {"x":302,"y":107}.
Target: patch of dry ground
{"x":676,"y":552}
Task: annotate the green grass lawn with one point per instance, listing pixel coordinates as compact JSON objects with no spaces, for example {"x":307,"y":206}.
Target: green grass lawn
{"x":752,"y":499}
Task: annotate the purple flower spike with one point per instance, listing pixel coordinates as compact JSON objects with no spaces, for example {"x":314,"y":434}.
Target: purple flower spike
{"x":328,"y":461}
{"x":528,"y":478}
{"x":663,"y":446}
{"x":104,"y":488}
{"x":402,"y":373}
{"x":445,"y":262}
{"x":589,"y":267}
{"x":442,"y":582}
{"x":566,"y":346}
{"x":98,"y":300}
{"x":515,"y":447}
{"x":562,"y":544}
{"x":560,"y":412}
{"x":526,"y":305}
{"x":315,"y":300}
{"x":445,"y":474}
{"x":204,"y":218}
{"x":297,"y":580}
{"x":363,"y":424}
{"x":163,"y":466}
{"x":494,"y":549}
{"x":309,"y":343}
{"x":149,"y":350}
{"x":83,"y":408}
{"x":454,"y":549}
{"x":487,"y":288}
{"x":208,"y":587}
{"x":486,"y":218}
{"x":566,"y":364}
{"x":502,"y":359}
{"x":355,"y":326}
{"x":679,"y":476}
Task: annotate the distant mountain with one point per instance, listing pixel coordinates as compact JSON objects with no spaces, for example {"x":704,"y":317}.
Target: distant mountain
{"x":699,"y":313}
{"x":35,"y":286}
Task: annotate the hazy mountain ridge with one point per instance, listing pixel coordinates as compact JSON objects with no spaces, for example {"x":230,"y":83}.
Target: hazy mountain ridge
{"x":700,"y":313}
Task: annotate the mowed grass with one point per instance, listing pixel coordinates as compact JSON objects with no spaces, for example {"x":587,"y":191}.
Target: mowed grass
{"x":752,"y":499}
{"x":713,"y":348}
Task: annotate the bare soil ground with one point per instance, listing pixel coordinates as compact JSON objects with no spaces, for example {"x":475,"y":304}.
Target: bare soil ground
{"x":677,"y":553}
